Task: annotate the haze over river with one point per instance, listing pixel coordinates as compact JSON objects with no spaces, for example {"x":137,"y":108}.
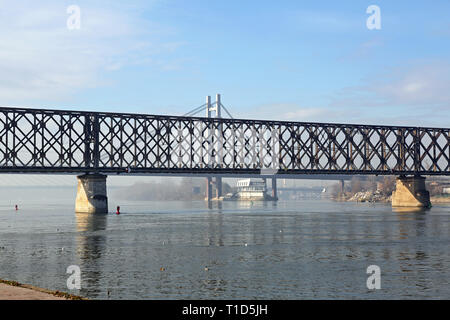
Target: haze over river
{"x":303,"y":249}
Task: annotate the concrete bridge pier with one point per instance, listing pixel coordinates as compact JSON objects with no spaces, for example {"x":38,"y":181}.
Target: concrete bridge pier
{"x":341,"y":196}
{"x":410,"y":191}
{"x":274,"y":189}
{"x":342,"y":185}
{"x":91,"y":194}
{"x":218,"y":187}
{"x":208,"y":195}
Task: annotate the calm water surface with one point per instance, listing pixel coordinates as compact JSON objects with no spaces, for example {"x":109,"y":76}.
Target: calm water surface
{"x":286,"y":250}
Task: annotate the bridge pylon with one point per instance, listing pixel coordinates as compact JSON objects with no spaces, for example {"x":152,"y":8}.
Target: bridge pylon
{"x":91,"y":194}
{"x":274,"y":189}
{"x":215,"y":149}
{"x":410,"y":191}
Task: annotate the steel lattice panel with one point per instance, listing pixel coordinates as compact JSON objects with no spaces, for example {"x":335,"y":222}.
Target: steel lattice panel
{"x":71,"y":141}
{"x":41,"y":139}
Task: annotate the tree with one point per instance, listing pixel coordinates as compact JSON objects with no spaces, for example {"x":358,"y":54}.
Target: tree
{"x":388,"y":185}
{"x":371,"y":184}
{"x":355,"y":185}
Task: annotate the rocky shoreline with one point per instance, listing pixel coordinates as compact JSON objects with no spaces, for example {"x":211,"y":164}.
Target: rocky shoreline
{"x":377,"y":196}
{"x":440,"y":199}
{"x":369,"y":196}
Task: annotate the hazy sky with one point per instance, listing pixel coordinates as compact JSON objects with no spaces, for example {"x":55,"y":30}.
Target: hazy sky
{"x":296,"y":60}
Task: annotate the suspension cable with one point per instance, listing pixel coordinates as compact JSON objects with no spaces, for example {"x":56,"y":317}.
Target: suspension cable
{"x":226,"y":110}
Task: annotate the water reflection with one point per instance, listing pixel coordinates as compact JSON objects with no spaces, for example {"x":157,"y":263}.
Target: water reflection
{"x":91,"y":244}
{"x":248,"y":204}
{"x":214,"y":205}
{"x":410,"y":210}
{"x":214,"y":234}
{"x":90,"y":222}
{"x":411,"y":216}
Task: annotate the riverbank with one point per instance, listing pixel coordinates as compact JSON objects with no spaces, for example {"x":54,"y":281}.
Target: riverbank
{"x":364,"y":196}
{"x":440,"y":199}
{"x":370,"y":196}
{"x":13,"y":290}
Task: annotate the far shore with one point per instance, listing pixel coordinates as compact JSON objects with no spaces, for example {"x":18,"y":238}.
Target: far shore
{"x":440,"y":199}
{"x":13,"y":290}
{"x":377,"y":197}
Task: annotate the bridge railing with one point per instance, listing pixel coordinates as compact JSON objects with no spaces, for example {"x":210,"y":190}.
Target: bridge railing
{"x":34,"y":140}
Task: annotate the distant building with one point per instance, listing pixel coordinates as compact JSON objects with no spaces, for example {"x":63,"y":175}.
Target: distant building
{"x":446,"y":190}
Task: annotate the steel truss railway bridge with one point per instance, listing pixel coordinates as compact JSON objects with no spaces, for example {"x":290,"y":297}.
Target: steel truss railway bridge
{"x":96,"y":144}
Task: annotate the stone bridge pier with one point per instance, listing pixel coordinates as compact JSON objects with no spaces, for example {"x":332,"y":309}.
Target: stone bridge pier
{"x":410,"y":191}
{"x":91,"y":194}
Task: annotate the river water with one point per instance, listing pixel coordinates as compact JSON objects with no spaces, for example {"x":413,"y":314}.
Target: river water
{"x":303,"y":249}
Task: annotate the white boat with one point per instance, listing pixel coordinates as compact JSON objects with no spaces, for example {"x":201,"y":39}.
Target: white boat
{"x":250,"y":190}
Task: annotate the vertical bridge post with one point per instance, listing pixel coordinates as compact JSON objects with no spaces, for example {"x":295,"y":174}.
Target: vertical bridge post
{"x":219,"y":150}
{"x":215,"y":148}
{"x":91,"y":191}
{"x":208,"y":189}
{"x":274,"y":189}
{"x":208,"y":195}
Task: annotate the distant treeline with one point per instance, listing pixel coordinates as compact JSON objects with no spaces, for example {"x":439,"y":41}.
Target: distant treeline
{"x":186,"y":189}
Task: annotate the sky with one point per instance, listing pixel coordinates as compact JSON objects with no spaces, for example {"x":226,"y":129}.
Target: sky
{"x":284,"y":60}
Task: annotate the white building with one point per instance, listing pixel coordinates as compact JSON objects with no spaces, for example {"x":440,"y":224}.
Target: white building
{"x":251,"y":190}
